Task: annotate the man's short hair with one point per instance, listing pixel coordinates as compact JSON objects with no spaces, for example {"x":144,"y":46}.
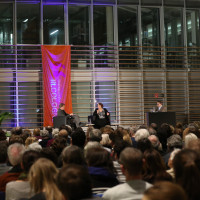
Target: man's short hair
{"x":63,"y":133}
{"x":159,"y":101}
{"x":15,"y":153}
{"x":95,"y":135}
{"x":141,"y":134}
{"x":74,"y":182}
{"x":61,"y":105}
{"x":131,"y":159}
{"x":174,"y":141}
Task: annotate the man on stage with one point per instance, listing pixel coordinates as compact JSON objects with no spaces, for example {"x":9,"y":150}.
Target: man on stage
{"x":160,"y":107}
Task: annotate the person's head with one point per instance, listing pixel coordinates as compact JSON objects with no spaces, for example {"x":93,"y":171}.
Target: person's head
{"x":159,"y":104}
{"x":186,"y":165}
{"x":2,"y":135}
{"x":55,"y":132}
{"x":42,"y":177}
{"x":62,"y":106}
{"x":171,"y":158}
{"x":16,"y":131}
{"x":63,"y":133}
{"x":144,"y":144}
{"x":15,"y":153}
{"x":164,"y":191}
{"x":72,"y":155}
{"x":154,"y":126}
{"x":58,"y":145}
{"x":154,"y":141}
{"x":78,"y":137}
{"x":95,"y":135}
{"x":44,"y":133}
{"x":74,"y":182}
{"x":119,"y":146}
{"x":29,"y":157}
{"x":3,"y":153}
{"x":35,"y":146}
{"x":99,"y":157}
{"x":49,"y":129}
{"x":90,"y":145}
{"x":100,"y":105}
{"x":131,"y":160}
{"x":174,"y":141}
{"x":16,"y":139}
{"x":194,"y":145}
{"x":140,"y":134}
{"x":105,"y":141}
{"x":50,"y":154}
{"x":190,"y":137}
{"x":30,"y":140}
{"x":36,"y":132}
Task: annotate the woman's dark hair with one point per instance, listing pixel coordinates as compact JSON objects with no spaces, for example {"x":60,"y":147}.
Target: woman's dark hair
{"x":99,"y":157}
{"x":2,"y":135}
{"x":187,"y":172}
{"x":165,"y":191}
{"x":101,"y":104}
{"x":16,"y":139}
{"x":58,"y":145}
{"x":50,"y":154}
{"x":29,"y":157}
{"x":154,"y":167}
{"x":73,"y":155}
{"x":144,"y":144}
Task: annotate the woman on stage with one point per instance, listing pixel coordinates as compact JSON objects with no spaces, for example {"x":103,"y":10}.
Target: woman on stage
{"x":101,"y":117}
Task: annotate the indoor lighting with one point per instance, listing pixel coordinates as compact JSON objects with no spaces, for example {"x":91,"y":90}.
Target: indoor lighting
{"x":53,"y":32}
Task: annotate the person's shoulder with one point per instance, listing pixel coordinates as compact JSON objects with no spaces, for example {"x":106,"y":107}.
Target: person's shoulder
{"x":114,"y":190}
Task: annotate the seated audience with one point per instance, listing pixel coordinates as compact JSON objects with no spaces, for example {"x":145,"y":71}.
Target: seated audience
{"x":154,"y":167}
{"x":21,"y":188}
{"x":101,"y":170}
{"x":74,"y":182}
{"x":187,"y":172}
{"x":16,"y":139}
{"x":42,"y":178}
{"x":141,"y":134}
{"x":165,"y":191}
{"x":34,"y":146}
{"x":78,"y":138}
{"x":131,"y":161}
{"x":30,"y":140}
{"x":144,"y":144}
{"x":45,"y":138}
{"x":155,"y":143}
{"x":49,"y":154}
{"x":15,"y":153}
{"x":17,"y":131}
{"x":188,"y":138}
{"x":36,"y":133}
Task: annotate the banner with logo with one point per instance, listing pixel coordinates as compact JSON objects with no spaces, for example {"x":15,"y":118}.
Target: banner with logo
{"x":56,"y":62}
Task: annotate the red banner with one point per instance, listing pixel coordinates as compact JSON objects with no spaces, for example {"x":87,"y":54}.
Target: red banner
{"x":56,"y":64}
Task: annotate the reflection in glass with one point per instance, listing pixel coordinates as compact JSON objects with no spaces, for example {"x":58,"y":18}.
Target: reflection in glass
{"x":127,"y":26}
{"x":78,"y":25}
{"x":53,"y":24}
{"x":103,"y":25}
{"x":193,"y":29}
{"x":150,"y":27}
{"x":6,"y":23}
{"x":28,"y":23}
{"x":173,"y":27}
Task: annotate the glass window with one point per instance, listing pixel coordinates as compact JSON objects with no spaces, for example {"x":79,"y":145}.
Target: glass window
{"x":150,"y":27}
{"x":79,"y":25}
{"x":6,"y":23}
{"x":192,"y":3}
{"x":127,"y":26}
{"x":193,"y":30}
{"x":103,"y":25}
{"x":129,"y":2}
{"x":53,"y":24}
{"x":174,"y":3}
{"x":152,"y":2}
{"x":173,"y":27}
{"x":28,"y":23}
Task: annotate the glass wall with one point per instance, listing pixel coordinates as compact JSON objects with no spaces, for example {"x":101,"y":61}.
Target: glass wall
{"x":28,"y":23}
{"x":6,"y":23}
{"x":53,"y":24}
{"x":78,"y":25}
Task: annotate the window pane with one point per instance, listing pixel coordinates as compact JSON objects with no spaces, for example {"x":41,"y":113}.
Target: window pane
{"x":28,"y":23}
{"x":173,"y":27}
{"x":53,"y":24}
{"x":127,"y":26}
{"x":150,"y":27}
{"x":103,"y":25}
{"x":78,"y":25}
{"x":152,"y":2}
{"x":174,"y":3}
{"x":193,"y":32}
{"x":6,"y":24}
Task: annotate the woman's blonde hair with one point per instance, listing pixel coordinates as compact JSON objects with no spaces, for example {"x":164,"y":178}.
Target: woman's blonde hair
{"x":30,"y":140}
{"x":42,"y":177}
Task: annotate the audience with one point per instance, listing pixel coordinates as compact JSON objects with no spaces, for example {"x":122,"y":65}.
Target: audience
{"x":101,"y":163}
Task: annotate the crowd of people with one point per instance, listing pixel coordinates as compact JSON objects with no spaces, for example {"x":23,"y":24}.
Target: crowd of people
{"x":139,"y":163}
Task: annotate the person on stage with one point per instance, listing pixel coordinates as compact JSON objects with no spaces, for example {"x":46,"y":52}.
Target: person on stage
{"x":160,"y":107}
{"x":101,"y":116}
{"x":75,"y":118}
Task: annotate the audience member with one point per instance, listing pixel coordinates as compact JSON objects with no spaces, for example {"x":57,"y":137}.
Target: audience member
{"x":21,"y":188}
{"x":3,"y":159}
{"x":30,"y":140}
{"x":78,"y":138}
{"x":34,"y":146}
{"x":131,"y":161}
{"x":36,"y":133}
{"x":101,"y":170}
{"x":141,"y":134}
{"x":155,"y":143}
{"x":15,"y":153}
{"x":16,"y":139}
{"x":165,"y":191}
{"x":188,"y":138}
{"x":187,"y":172}
{"x":144,"y":144}
{"x":45,"y":138}
{"x":16,"y":131}
{"x":49,"y":154}
{"x":95,"y":135}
